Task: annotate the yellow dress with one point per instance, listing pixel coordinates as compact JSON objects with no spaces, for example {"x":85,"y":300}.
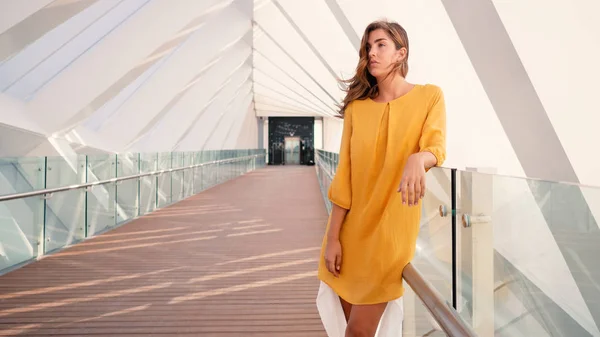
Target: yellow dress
{"x":379,"y":233}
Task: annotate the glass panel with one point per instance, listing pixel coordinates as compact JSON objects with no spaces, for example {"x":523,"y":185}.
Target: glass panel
{"x":532,"y":249}
{"x":229,"y":170}
{"x":148,"y":191}
{"x":211,"y":176}
{"x":21,"y":231}
{"x":188,"y":175}
{"x":177,"y":177}
{"x":418,"y":321}
{"x":128,"y":190}
{"x":205,"y":177}
{"x":21,"y":220}
{"x":433,"y":255}
{"x":100,"y":198}
{"x":65,"y":211}
{"x":324,"y":175}
{"x":164,"y":180}
{"x":19,"y":175}
{"x":198,"y":187}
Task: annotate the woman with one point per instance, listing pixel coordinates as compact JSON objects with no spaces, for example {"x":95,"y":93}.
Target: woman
{"x":394,"y":131}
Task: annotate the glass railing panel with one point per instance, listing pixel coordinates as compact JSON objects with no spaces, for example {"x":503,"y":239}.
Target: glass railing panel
{"x":164,"y":193}
{"x":128,"y":164}
{"x":239,"y":168}
{"x":188,"y":175}
{"x":33,"y":226}
{"x":220,"y":172}
{"x":21,"y":174}
{"x":433,"y":254}
{"x":177,"y":177}
{"x":223,"y":172}
{"x":206,"y":176}
{"x":229,"y":171}
{"x":21,"y":220}
{"x":21,"y":231}
{"x":198,"y":183}
{"x":65,"y":211}
{"x":530,"y":250}
{"x":148,"y":190}
{"x":417,"y":321}
{"x":325,"y":171}
{"x":100,"y":199}
{"x":213,"y":174}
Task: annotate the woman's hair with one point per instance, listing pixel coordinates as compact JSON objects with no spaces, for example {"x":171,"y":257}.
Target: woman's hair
{"x":364,"y":85}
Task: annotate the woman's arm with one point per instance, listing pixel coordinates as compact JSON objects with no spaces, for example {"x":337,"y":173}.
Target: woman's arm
{"x":432,"y":152}
{"x":426,"y":158}
{"x":337,"y":218}
{"x":333,"y":250}
{"x":340,"y":195}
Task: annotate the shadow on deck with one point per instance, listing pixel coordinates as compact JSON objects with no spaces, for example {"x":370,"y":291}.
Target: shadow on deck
{"x":237,"y":259}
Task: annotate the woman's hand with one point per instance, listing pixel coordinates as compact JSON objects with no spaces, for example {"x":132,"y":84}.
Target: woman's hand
{"x":412,"y":185}
{"x":333,"y":256}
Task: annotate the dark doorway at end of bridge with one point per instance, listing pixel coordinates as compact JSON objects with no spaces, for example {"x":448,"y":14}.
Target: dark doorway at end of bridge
{"x":291,"y":141}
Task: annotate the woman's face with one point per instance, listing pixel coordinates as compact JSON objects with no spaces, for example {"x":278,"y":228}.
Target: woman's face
{"x":382,"y":53}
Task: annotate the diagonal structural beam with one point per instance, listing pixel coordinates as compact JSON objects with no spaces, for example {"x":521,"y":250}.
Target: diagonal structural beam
{"x":232,"y":125}
{"x":210,"y":102}
{"x":510,"y":90}
{"x":291,"y":98}
{"x":344,"y":23}
{"x":306,"y":40}
{"x":292,"y":78}
{"x":227,"y":110}
{"x":295,"y":62}
{"x":286,"y":105}
{"x":184,"y":90}
{"x":292,"y":90}
{"x":274,"y":106}
{"x":163,"y":51}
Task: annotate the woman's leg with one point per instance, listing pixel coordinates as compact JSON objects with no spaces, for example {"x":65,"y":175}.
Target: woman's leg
{"x":347,"y":307}
{"x":364,"y":320}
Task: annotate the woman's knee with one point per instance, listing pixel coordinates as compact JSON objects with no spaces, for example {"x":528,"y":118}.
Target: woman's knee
{"x":364,"y":320}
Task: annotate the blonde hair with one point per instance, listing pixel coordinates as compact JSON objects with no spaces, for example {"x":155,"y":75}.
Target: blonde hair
{"x":364,"y":85}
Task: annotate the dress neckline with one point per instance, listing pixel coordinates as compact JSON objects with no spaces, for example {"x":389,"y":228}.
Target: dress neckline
{"x":397,"y":98}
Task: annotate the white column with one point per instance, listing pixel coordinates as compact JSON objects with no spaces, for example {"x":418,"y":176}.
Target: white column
{"x":266,"y":137}
{"x":318,"y":131}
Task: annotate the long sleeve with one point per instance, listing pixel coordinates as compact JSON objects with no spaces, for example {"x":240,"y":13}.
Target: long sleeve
{"x":433,"y":136}
{"x":340,"y":190}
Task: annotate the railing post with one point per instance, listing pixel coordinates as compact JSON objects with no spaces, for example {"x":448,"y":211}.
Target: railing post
{"x":455,"y":265}
{"x":482,"y":246}
{"x":42,"y":238}
{"x":139,"y":185}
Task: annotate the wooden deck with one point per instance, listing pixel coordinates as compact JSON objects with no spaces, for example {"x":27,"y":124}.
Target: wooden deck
{"x":238,"y":259}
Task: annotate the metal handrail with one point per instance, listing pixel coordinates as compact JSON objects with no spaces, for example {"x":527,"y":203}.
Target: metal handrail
{"x":443,"y":313}
{"x":50,"y":191}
